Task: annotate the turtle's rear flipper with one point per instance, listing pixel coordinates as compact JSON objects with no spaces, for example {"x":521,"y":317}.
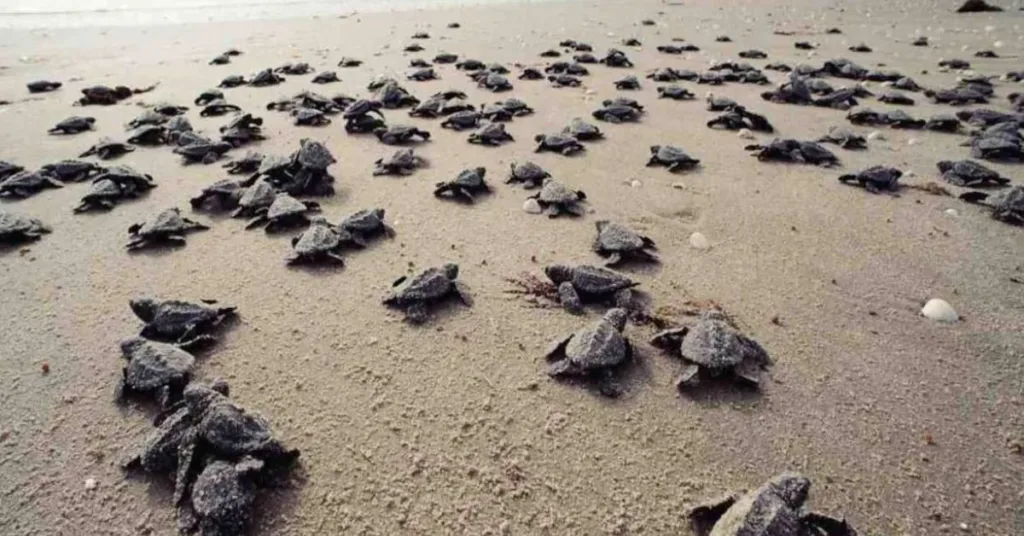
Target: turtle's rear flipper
{"x":973,"y":197}
{"x":688,"y":377}
{"x":704,"y":516}
{"x":570,"y":298}
{"x":463,"y":292}
{"x":748,"y":372}
{"x":417,"y":313}
{"x":830,"y":525}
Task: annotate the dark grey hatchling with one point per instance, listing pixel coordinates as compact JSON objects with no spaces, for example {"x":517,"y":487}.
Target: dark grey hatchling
{"x":222,"y":497}
{"x":103,"y":194}
{"x":1006,"y":206}
{"x":25,"y":184}
{"x":581,"y":130}
{"x":628,"y":83}
{"x":364,"y":225}
{"x":528,"y":173}
{"x":492,"y":134}
{"x":462,"y":120}
{"x":494,"y":82}
{"x":593,"y":352}
{"x":675,"y":93}
{"x":202,"y":150}
{"x":671,"y":157}
{"x":233,"y":80}
{"x":107,"y":148}
{"x":564,"y":80}
{"x":217,"y":108}
{"x":220,"y":196}
{"x":326,"y":77}
{"x":620,"y":243}
{"x":422,"y":75}
{"x":582,"y":284}
{"x":558,"y":143}
{"x":968,"y":173}
{"x":310,"y":117}
{"x":18,"y":229}
{"x":347,"y":62}
{"x":285,"y":212}
{"x":774,"y":509}
{"x":429,"y":287}
{"x":943,"y":123}
{"x":166,"y":228}
{"x":153,"y":368}
{"x":790,"y":150}
{"x":182,"y":323}
{"x":255,"y":198}
{"x":714,"y":347}
{"x":556,"y":199}
{"x":400,"y":134}
{"x":464,"y":186}
{"x":617,"y":113}
{"x":248,"y":164}
{"x":874,"y":179}
{"x":402,"y":162}
{"x":321,"y":241}
{"x":43,"y":86}
{"x":148,"y":135}
{"x":73,"y":125}
{"x":495,"y":112}
{"x":844,"y":138}
{"x":208,"y":96}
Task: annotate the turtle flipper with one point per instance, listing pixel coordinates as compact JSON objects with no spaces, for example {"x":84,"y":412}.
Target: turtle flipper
{"x":462,"y":290}
{"x":613,"y":259}
{"x":417,"y":313}
{"x":624,"y":298}
{"x":688,"y":377}
{"x":556,"y":351}
{"x":185,"y":473}
{"x":570,"y":298}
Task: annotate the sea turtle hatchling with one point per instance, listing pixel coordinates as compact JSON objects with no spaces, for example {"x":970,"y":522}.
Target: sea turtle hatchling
{"x":394,"y":96}
{"x":422,"y":75}
{"x":72,"y":170}
{"x":25,"y":184}
{"x":154,"y":368}
{"x":233,"y":80}
{"x":874,"y":179}
{"x":531,"y":73}
{"x":73,"y":125}
{"x":675,"y":93}
{"x":18,"y":229}
{"x":202,"y":150}
{"x":222,"y":497}
{"x":672,"y":157}
{"x":107,"y":148}
{"x":967,"y":173}
{"x":528,"y":173}
{"x":249,"y":163}
{"x":516,"y":107}
{"x":43,"y":86}
{"x":402,"y":162}
{"x":218,"y":107}
{"x":556,"y":199}
{"x":617,"y":113}
{"x":577,"y":285}
{"x":148,"y":135}
{"x":593,"y":352}
{"x":620,"y":243}
{"x":257,"y":197}
{"x":400,"y":134}
{"x":348,"y":63}
{"x":444,"y":58}
{"x":467,"y":183}
{"x":495,"y":82}
{"x":495,"y":112}
{"x":716,"y":348}
{"x":790,"y":150}
{"x":103,"y":194}
{"x":844,"y":138}
{"x":563,"y":144}
{"x":429,"y":287}
{"x":363,"y":225}
{"x":492,"y":134}
{"x":326,"y":77}
{"x":208,"y":96}
{"x":310,"y":117}
{"x":166,"y":228}
{"x":462,"y":120}
{"x":628,"y":83}
{"x":179,"y":322}
{"x":284,"y":213}
{"x":321,"y":241}
{"x":943,"y":123}
{"x":564,"y":80}
{"x":220,"y":196}
{"x":581,"y":130}
{"x":1006,"y":206}
{"x":177,"y":128}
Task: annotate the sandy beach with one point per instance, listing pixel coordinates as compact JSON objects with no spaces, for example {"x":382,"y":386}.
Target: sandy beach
{"x":906,"y":426}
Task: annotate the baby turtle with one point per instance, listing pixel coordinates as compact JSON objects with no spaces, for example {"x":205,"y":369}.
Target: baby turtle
{"x":628,"y":83}
{"x":202,"y":150}
{"x":617,"y":113}
{"x":257,"y":197}
{"x":7,"y":169}
{"x":446,"y":58}
{"x":874,"y":179}
{"x":528,"y":173}
{"x":470,"y":65}
{"x":790,"y":150}
{"x":495,"y":82}
{"x":363,"y":107}
{"x":400,"y":134}
{"x":18,"y":229}
{"x":564,"y":80}
{"x":321,"y":241}
{"x":718,"y":104}
{"x":1007,"y":206}
{"x":845,"y":138}
{"x":516,"y":107}
{"x":860,"y":47}
{"x":550,"y":53}
{"x":107,"y":148}
{"x":495,"y":112}
{"x":557,"y":199}
{"x":943,"y":123}
{"x":26,"y":184}
{"x":581,"y":130}
{"x":565,"y":144}
{"x":242,"y":130}
{"x":148,"y":135}
{"x":218,"y":107}
{"x":585,"y":58}
{"x":103,"y":194}
{"x":675,"y":93}
{"x":954,"y":63}
{"x":631,"y":42}
{"x":462,"y":120}
{"x":182,"y":323}
{"x":284,"y":213}
{"x":72,"y":170}
{"x":530,"y":73}
{"x":620,"y":243}
{"x":774,"y":509}
{"x":73,"y":125}
{"x":166,"y":228}
{"x":222,"y":497}
{"x":589,"y":284}
{"x":326,"y":77}
{"x":103,"y":95}
{"x":967,"y":173}
{"x":402,"y":162}
{"x":310,"y":117}
{"x":492,"y":134}
{"x":906,"y":84}
{"x":347,"y":62}
{"x":154,"y":368}
{"x":957,"y":96}
{"x":672,"y":157}
{"x":149,"y":117}
{"x":422,"y":75}
{"x":395,"y":96}
{"x":364,"y":225}
{"x":223,"y":59}
{"x":208,"y":96}
{"x":231,"y":81}
{"x":429,"y":287}
{"x":297,"y":68}
{"x":220,"y":196}
{"x":893,"y":97}
{"x":43,"y":86}
{"x":264,"y":78}
{"x":248,"y":164}
{"x":714,"y":347}
{"x":413,"y":48}
{"x":469,"y":182}
{"x":752,"y":54}
{"x":593,"y":351}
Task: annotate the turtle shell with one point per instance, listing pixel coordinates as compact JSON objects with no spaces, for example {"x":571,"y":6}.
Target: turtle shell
{"x":599,"y":346}
{"x":615,"y":237}
{"x":152,"y":365}
{"x":314,"y":155}
{"x":318,"y":238}
{"x":528,"y":171}
{"x":103,"y":189}
{"x":670,"y":154}
{"x":261,"y":194}
{"x":223,"y":495}
{"x":471,"y":178}
{"x":166,"y":222}
{"x":597,"y":280}
{"x":556,"y":192}
{"x":14,"y":224}
{"x":431,"y":284}
{"x":714,"y":345}
{"x":1010,"y":202}
{"x":367,"y":220}
{"x":285,"y":205}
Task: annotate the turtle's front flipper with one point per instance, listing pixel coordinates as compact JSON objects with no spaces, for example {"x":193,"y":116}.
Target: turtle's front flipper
{"x":197,"y":342}
{"x":188,"y":522}
{"x":417,"y":313}
{"x":703,"y":517}
{"x":186,"y":471}
{"x":748,"y":372}
{"x":688,"y":377}
{"x":462,"y":290}
{"x":570,"y":298}
{"x":613,"y":259}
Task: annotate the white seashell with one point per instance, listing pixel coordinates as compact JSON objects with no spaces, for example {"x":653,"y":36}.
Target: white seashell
{"x":998,"y":44}
{"x":876,"y":135}
{"x":912,"y":141}
{"x":745,"y":133}
{"x":635,"y":183}
{"x":531,"y":206}
{"x":90,"y":483}
{"x":951,"y":212}
{"x":699,"y":241}
{"x":939,"y":310}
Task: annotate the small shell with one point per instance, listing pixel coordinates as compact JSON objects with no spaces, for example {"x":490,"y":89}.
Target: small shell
{"x":531,"y":206}
{"x":745,"y":133}
{"x":699,"y":241}
{"x":939,"y":310}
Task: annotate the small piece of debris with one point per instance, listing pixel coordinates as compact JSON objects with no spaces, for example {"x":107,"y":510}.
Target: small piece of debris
{"x":940,"y":311}
{"x":90,"y":483}
{"x":699,"y":241}
{"x":531,"y":206}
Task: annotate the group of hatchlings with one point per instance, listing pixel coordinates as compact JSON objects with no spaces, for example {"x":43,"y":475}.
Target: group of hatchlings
{"x":219,"y":453}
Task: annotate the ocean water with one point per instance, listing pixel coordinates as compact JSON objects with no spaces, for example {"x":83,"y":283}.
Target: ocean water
{"x":78,"y":13}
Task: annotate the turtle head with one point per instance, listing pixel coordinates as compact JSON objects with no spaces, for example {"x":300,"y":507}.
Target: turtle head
{"x":655,"y":149}
{"x":144,"y":308}
{"x":617,"y":317}
{"x":451,"y":270}
{"x":944,"y":165}
{"x":220,"y":385}
{"x":558,"y":273}
{"x":128,"y":346}
{"x":379,"y":213}
{"x":200,"y":397}
{"x":538,"y":138}
{"x":792,"y":488}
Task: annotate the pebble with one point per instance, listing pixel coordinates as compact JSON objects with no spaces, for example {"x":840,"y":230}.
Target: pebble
{"x":635,"y":183}
{"x":912,"y":141}
{"x":951,"y":212}
{"x":876,"y":135}
{"x":699,"y":241}
{"x":998,"y":44}
{"x":678,"y":186}
{"x":939,"y":310}
{"x":745,"y":133}
{"x":90,"y":483}
{"x":531,"y":206}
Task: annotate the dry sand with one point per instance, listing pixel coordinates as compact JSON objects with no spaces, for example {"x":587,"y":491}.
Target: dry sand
{"x":904,"y":425}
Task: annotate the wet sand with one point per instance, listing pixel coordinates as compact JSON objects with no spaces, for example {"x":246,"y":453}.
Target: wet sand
{"x":904,"y":425}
